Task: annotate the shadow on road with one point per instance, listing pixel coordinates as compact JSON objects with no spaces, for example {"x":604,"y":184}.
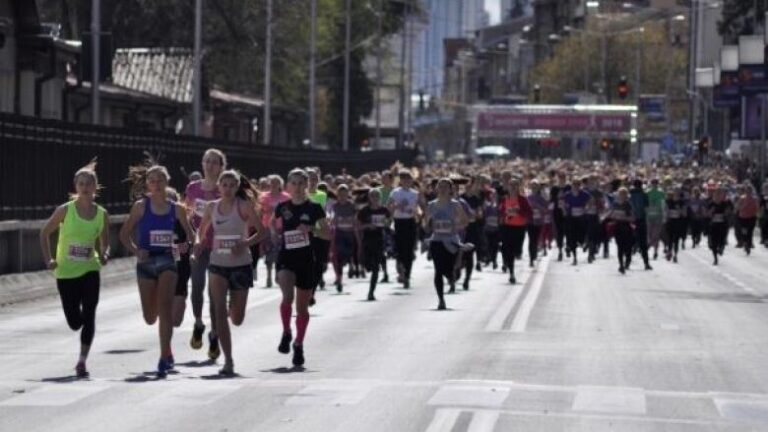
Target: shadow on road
{"x":124,"y":351}
{"x":288,"y":370}
{"x":197,"y":363}
{"x":219,"y":377}
{"x":731,"y":297}
{"x":63,"y":379}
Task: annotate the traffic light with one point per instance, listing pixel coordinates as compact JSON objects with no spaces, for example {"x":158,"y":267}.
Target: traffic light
{"x":623,"y":88}
{"x":536,"y":93}
{"x":605,"y":144}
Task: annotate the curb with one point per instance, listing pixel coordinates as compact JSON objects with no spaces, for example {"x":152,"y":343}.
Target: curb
{"x":21,"y":287}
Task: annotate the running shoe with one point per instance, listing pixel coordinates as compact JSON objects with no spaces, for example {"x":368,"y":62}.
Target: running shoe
{"x":269,"y":282}
{"x":478,"y":267}
{"x":441,"y":305}
{"x":228,"y":370}
{"x":512,"y":280}
{"x":385,"y":279}
{"x":162,"y":368}
{"x":171,"y":361}
{"x":466,"y":285}
{"x":674,"y":259}
{"x":81,"y":371}
{"x":312,"y":301}
{"x":322,"y":285}
{"x":621,"y":270}
{"x":371,"y":297}
{"x":339,"y":288}
{"x":285,"y":343}
{"x":196,"y":342}
{"x":213,"y":350}
{"x":406,"y":284}
{"x":298,"y":355}
{"x":452,"y":289}
{"x":495,"y":266}
{"x":648,"y":266}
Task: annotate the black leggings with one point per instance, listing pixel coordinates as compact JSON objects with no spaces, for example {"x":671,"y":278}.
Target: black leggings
{"x":512,"y":238}
{"x":534,"y":231}
{"x":492,"y":245}
{"x":624,"y":242}
{"x":405,"y":242}
{"x":445,"y":262}
{"x":79,"y":298}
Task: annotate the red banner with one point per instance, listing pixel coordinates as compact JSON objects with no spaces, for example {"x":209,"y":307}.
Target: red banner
{"x":499,"y":123}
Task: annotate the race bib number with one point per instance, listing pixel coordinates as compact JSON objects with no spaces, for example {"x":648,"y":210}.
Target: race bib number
{"x":296,"y":239}
{"x":344,"y":223}
{"x":161,"y":238}
{"x":378,"y":220}
{"x":577,"y":211}
{"x":492,"y":221}
{"x":674,"y":214}
{"x":511,"y":211}
{"x":80,"y":252}
{"x":223,"y":244}
{"x":718,"y":218}
{"x":443,"y":227}
{"x":200,"y":205}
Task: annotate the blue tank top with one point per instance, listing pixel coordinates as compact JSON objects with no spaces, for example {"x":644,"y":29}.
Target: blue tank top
{"x":156,"y":231}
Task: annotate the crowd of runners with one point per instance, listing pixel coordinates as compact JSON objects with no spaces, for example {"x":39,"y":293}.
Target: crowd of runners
{"x":461,"y":216}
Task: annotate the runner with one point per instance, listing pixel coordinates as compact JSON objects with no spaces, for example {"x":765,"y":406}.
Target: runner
{"x":746,"y":211}
{"x":321,"y":246}
{"x":491,"y":228}
{"x":155,"y":217}
{"x":655,"y":216}
{"x":557,"y":201}
{"x":268,"y":200}
{"x":81,"y":250}
{"x":474,"y":230}
{"x":623,"y":215}
{"x":230,"y":271}
{"x":296,"y":267}
{"x":403,"y":203}
{"x":675,"y":225}
{"x":385,"y":190}
{"x":516,"y":212}
{"x":182,"y":255}
{"x":372,"y":221}
{"x":443,"y":218}
{"x":719,"y":211}
{"x":539,"y":208}
{"x":343,"y":229}
{"x":197,"y":196}
{"x":640,"y":203}
{"x":576,"y":201}
{"x":697,"y":206}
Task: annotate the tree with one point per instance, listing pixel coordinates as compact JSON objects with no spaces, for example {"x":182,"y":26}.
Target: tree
{"x":740,"y":18}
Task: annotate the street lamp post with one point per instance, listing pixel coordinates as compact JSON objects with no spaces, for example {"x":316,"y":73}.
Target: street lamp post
{"x":267,"y":123}
{"x":312,"y":80}
{"x":95,"y":60}
{"x":196,"y":77}
{"x":347,"y":40}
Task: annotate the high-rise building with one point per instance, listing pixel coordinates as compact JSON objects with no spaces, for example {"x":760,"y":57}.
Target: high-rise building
{"x":524,"y":6}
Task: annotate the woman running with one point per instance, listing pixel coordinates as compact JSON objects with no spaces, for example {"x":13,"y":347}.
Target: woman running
{"x":268,"y":201}
{"x":230,"y":272}
{"x":719,"y":212}
{"x":491,"y":229}
{"x":81,"y":250}
{"x":444,"y":218}
{"x":696,"y":208}
{"x":372,"y":221}
{"x":746,"y":212}
{"x":655,"y":216}
{"x":516,"y":212}
{"x":576,"y":201}
{"x":182,"y":252}
{"x":152,"y":243}
{"x":622,"y":215}
{"x":296,"y":267}
{"x":539,"y":208}
{"x":675,"y":222}
{"x":198,"y":194}
{"x":343,"y":223}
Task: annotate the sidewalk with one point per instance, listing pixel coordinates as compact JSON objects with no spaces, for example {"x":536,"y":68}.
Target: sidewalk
{"x":20,"y":287}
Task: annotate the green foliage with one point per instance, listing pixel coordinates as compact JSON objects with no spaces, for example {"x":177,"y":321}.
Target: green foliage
{"x":739,"y":18}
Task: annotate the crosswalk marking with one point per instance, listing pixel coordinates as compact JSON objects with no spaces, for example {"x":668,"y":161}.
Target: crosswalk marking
{"x":610,"y":400}
{"x":444,"y":420}
{"x":194,"y":393}
{"x":483,"y":421}
{"x":743,"y":410}
{"x":55,"y":395}
{"x":466,"y":395}
{"x":331,"y":393}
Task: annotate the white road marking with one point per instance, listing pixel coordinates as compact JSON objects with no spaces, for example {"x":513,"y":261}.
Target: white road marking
{"x":466,"y":395}
{"x":496,"y":322}
{"x":732,"y":279}
{"x":743,"y":410}
{"x":55,"y":395}
{"x":444,"y":420}
{"x":610,"y":400}
{"x":524,"y":313}
{"x":332,"y":393}
{"x":483,"y":421}
{"x":669,"y":326}
{"x":199,"y":392}
{"x":613,"y":418}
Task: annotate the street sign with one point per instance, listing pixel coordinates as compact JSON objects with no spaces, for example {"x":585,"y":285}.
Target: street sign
{"x":502,"y":123}
{"x":753,"y":79}
{"x":728,"y":93}
{"x":654,"y":107}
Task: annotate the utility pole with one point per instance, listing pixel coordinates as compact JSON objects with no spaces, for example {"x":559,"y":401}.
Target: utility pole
{"x":409,"y":106}
{"x":763,"y":111}
{"x":693,"y":117}
{"x":312,"y":80}
{"x":96,"y":61}
{"x":267,"y":123}
{"x":639,"y":63}
{"x":197,"y":73}
{"x":347,"y":42}
{"x":380,"y":30}
{"x":403,"y":48}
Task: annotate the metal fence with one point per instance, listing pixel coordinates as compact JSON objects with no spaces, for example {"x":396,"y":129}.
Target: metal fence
{"x":38,"y":158}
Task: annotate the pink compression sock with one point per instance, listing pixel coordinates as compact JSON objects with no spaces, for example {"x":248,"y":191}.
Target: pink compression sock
{"x":302,"y":321}
{"x":285,"y":316}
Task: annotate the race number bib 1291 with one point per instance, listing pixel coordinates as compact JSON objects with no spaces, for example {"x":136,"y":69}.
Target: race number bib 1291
{"x":79,"y":252}
{"x":296,"y":239}
{"x":161,"y":238}
{"x":223,"y":244}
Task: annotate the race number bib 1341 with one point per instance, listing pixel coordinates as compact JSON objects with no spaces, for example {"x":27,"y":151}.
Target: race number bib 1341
{"x":223,"y":244}
{"x":80,"y":252}
{"x":161,"y":238}
{"x":296,"y":239}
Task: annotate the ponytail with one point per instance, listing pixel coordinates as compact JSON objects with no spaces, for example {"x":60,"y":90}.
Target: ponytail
{"x":137,"y":175}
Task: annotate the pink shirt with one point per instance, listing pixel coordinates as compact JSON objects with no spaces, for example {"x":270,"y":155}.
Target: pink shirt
{"x":197,"y":199}
{"x":268,"y":201}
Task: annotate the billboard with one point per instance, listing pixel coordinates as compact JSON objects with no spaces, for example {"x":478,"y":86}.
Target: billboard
{"x":503,"y":123}
{"x":751,"y":109}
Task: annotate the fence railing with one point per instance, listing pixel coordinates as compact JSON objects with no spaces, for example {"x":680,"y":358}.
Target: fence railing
{"x":38,"y":158}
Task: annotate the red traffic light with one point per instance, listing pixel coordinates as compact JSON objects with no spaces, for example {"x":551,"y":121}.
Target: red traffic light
{"x":623,"y":88}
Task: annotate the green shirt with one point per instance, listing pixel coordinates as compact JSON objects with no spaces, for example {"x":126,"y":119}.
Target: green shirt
{"x":656,"y":200}
{"x":76,"y":249}
{"x":385,"y":191}
{"x":318,"y":197}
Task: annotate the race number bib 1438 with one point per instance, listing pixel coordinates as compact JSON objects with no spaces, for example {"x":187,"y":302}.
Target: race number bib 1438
{"x":80,"y":252}
{"x":223,"y":244}
{"x":161,"y":238}
{"x":296,"y":239}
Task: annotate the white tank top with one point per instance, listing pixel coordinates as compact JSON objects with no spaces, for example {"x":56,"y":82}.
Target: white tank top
{"x":227,"y":231}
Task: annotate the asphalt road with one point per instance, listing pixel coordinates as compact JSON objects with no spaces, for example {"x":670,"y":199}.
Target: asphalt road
{"x":680,"y":348}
